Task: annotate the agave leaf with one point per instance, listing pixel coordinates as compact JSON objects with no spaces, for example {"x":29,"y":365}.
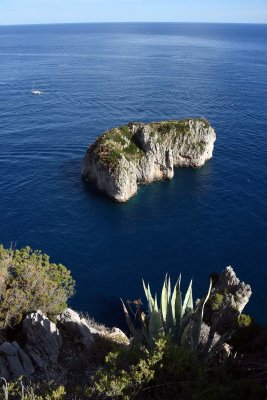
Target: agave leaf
{"x":164,"y":300}
{"x":190,"y":304}
{"x":177,"y":307}
{"x":145,"y":328}
{"x":156,"y":308}
{"x":179,"y":281}
{"x":186,"y":337}
{"x":150,"y":301}
{"x":169,"y":289}
{"x":169,"y":325}
{"x":208,"y":344}
{"x":176,"y":301}
{"x":198,"y":317}
{"x":145,"y":289}
{"x":144,"y":319}
{"x":173,"y":301}
{"x":209,"y":353}
{"x":129,"y":322}
{"x":188,"y":300}
{"x":185,"y":321}
{"x":155,"y":325}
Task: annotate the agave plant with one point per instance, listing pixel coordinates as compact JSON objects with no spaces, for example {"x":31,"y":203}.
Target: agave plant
{"x":178,"y":318}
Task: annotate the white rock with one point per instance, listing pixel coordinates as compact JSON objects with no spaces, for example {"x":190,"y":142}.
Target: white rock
{"x":43,"y":341}
{"x":234,"y":294}
{"x":117,"y":335}
{"x":238,"y":292}
{"x":71,"y":322}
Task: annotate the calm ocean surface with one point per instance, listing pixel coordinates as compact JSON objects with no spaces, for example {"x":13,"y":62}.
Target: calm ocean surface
{"x":96,"y":76}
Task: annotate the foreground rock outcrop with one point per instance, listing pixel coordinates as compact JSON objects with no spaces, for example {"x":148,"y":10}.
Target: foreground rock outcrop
{"x":74,"y":347}
{"x":75,"y":327}
{"x":46,"y":350}
{"x":229,"y":297}
{"x":14,"y":362}
{"x":139,"y":153}
{"x":43,"y":340}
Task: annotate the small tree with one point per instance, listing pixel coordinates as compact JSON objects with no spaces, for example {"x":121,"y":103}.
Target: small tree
{"x":28,"y":282}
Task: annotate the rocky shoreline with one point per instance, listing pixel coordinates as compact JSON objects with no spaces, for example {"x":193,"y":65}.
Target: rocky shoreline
{"x":140,"y":153}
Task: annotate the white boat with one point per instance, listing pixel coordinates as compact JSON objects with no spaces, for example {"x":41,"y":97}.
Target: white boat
{"x":34,"y":90}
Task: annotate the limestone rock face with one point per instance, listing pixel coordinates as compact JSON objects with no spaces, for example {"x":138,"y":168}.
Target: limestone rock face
{"x":43,"y":341}
{"x":117,"y":335}
{"x":14,"y":362}
{"x":237,"y":293}
{"x":46,"y":350}
{"x":75,"y":326}
{"x":83,"y":331}
{"x":139,"y":153}
{"x":233,"y":295}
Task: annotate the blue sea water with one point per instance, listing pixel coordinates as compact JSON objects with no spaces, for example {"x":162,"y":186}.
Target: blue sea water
{"x":96,"y":76}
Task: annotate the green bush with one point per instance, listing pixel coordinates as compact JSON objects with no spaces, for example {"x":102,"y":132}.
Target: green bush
{"x":125,"y":129}
{"x":28,"y":282}
{"x":114,"y":154}
{"x":131,"y":149}
{"x":126,"y":372}
{"x":244,"y":320}
{"x":19,"y":391}
{"x":216,"y":301}
{"x":169,"y":371}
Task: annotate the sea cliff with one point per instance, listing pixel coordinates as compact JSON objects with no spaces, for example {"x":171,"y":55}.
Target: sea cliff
{"x":139,"y":153}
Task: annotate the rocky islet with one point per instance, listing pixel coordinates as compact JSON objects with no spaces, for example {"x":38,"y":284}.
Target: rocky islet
{"x":140,"y":153}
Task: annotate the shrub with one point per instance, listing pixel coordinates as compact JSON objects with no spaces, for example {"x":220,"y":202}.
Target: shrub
{"x":131,"y":149}
{"x":166,"y":127}
{"x":216,"y":301}
{"x":124,"y":129}
{"x":169,"y":371}
{"x":127,"y":371}
{"x":18,"y":390}
{"x":28,"y":282}
{"x":114,"y":154}
{"x":244,"y":320}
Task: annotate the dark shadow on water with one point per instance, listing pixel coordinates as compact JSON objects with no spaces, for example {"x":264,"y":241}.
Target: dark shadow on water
{"x":92,"y":191}
{"x":143,"y":191}
{"x":71,"y":171}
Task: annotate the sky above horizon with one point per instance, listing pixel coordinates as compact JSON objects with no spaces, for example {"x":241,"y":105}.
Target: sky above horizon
{"x":62,"y":11}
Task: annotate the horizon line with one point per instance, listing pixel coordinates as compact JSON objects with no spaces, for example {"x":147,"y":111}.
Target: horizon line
{"x":136,"y":22}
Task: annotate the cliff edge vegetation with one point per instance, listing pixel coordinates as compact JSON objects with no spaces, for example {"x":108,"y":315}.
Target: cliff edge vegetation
{"x":28,"y":282}
{"x":178,"y":347}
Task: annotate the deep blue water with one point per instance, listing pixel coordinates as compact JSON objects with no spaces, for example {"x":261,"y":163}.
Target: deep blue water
{"x":96,"y":76}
